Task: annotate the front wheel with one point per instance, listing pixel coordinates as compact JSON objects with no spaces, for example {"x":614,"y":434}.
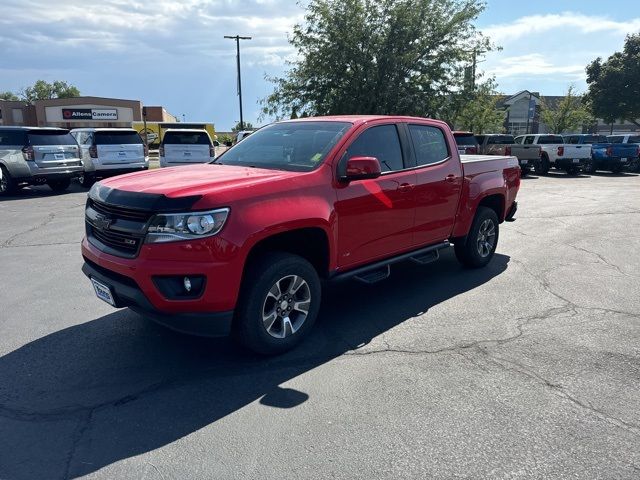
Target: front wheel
{"x":278,"y":304}
{"x":481,"y":242}
{"x":59,"y":185}
{"x":542,"y":168}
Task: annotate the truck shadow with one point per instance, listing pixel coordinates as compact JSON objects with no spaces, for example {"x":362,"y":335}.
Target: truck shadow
{"x":118,"y":386}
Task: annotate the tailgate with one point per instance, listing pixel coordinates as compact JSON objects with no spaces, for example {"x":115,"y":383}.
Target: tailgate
{"x":526,"y":152}
{"x":186,"y":153}
{"x":625,"y":150}
{"x":120,"y":154}
{"x":577,"y":151}
{"x":49,"y":156}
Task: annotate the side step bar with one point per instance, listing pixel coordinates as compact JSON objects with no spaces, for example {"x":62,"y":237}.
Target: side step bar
{"x":381,"y":270}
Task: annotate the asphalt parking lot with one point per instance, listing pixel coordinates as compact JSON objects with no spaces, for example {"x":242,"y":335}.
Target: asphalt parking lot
{"x":529,"y":368}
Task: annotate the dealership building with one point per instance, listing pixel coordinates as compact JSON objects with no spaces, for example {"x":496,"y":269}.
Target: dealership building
{"x":80,"y":112}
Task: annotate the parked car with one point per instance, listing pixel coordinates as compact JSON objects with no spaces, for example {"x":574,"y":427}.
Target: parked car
{"x":604,"y":154}
{"x":501,"y":144}
{"x":37,"y":156}
{"x":107,"y":152}
{"x":240,"y":245}
{"x":467,"y":143}
{"x":633,"y":138}
{"x":555,"y":153}
{"x":184,"y":147}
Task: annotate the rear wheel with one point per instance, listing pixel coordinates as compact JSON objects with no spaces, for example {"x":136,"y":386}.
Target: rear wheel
{"x":524,"y":171}
{"x":481,"y":242}
{"x":542,"y":168}
{"x":59,"y":185}
{"x":590,"y":167}
{"x":278,"y":304}
{"x":7,"y":184}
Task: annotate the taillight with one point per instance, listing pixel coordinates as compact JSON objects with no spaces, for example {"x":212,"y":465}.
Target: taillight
{"x":161,"y":151}
{"x":28,"y":154}
{"x":212,"y":151}
{"x":93,"y":151}
{"x":609,"y":151}
{"x":507,"y":151}
{"x":560,"y":151}
{"x":146,"y":150}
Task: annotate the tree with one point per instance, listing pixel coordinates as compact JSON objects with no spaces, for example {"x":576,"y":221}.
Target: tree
{"x":377,"y":57}
{"x":614,"y":84}
{"x":8,"y":96}
{"x":237,"y":128}
{"x":478,"y":112}
{"x":42,"y":90}
{"x":569,"y":114}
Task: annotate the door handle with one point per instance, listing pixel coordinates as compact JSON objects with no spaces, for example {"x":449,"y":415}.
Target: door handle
{"x":405,"y":187}
{"x":450,"y":178}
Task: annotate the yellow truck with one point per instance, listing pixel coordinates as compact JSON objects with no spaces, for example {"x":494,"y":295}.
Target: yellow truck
{"x":155,"y":130}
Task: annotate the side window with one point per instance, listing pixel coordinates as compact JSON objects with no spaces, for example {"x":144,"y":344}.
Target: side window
{"x":80,"y":137}
{"x":381,"y":142}
{"x":88,"y":140}
{"x":528,"y":140}
{"x":518,"y":140}
{"x":480,"y":139}
{"x":12,"y":138}
{"x":429,"y":144}
{"x":572,"y":140}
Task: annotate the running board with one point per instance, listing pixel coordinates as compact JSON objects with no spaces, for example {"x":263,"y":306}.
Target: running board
{"x":381,"y":270}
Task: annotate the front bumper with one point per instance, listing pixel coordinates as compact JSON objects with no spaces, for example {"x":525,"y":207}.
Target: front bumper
{"x":127,"y":293}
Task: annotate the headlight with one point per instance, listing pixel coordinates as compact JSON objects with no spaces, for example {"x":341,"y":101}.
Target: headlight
{"x":172,"y":227}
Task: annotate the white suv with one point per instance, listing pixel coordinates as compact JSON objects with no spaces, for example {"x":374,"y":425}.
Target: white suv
{"x":185,"y":146}
{"x":107,"y":152}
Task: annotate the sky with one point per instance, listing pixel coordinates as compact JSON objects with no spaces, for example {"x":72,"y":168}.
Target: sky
{"x":172,"y":53}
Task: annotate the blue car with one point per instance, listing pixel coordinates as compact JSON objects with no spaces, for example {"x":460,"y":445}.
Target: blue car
{"x":611,"y":157}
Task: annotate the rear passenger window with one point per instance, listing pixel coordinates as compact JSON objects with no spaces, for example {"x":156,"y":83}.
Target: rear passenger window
{"x":13,"y":138}
{"x":528,"y":140}
{"x":186,"y":138}
{"x":381,"y":142}
{"x":429,"y":144}
{"x":118,"y":138}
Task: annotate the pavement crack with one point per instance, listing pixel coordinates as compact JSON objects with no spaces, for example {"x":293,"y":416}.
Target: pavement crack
{"x":84,"y":425}
{"x":44,"y":223}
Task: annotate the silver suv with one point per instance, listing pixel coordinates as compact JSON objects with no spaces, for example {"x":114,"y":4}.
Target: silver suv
{"x":107,"y":152}
{"x":35,"y":156}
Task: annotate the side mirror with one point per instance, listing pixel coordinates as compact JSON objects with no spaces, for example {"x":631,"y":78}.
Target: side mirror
{"x":361,"y":168}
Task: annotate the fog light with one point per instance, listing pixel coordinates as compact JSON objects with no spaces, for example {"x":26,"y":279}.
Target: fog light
{"x":187,"y":284}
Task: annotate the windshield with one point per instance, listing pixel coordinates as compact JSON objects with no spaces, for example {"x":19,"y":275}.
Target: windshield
{"x":186,"y":138}
{"x":51,"y":137}
{"x":291,"y":146}
{"x":501,"y":140}
{"x":117,"y":138}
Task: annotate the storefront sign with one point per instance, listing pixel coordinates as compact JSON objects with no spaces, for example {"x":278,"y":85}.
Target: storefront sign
{"x":89,"y":114}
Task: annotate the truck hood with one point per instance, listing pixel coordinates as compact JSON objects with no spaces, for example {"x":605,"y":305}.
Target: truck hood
{"x":195,"y":179}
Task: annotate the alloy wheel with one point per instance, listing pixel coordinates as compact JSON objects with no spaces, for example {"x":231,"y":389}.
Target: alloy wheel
{"x":486,"y":238}
{"x":286,"y":306}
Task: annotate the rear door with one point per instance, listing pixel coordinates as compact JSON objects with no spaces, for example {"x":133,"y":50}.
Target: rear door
{"x":53,"y":148}
{"x":376,"y":216}
{"x":11,"y":143}
{"x":187,"y":147}
{"x":438,"y":183}
{"x":118,"y":147}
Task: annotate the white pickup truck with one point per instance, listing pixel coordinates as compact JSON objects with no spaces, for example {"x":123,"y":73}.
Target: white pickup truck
{"x":556,"y":153}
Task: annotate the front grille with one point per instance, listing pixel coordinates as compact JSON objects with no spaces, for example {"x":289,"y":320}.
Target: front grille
{"x":115,"y":211}
{"x":121,"y":242}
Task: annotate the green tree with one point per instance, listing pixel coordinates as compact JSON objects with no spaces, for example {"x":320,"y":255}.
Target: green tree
{"x":479,"y":112}
{"x":247,"y":126}
{"x":614,"y":84}
{"x":569,"y":114}
{"x":377,"y":57}
{"x":42,"y":90}
{"x":8,"y":96}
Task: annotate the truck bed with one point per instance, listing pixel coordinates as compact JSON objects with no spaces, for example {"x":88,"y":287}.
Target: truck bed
{"x":482,"y":163}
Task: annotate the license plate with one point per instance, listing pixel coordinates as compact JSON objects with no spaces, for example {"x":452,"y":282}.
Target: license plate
{"x":103,"y":292}
{"x":58,"y":156}
{"x":524,"y":162}
{"x":576,"y":160}
{"x":623,"y":160}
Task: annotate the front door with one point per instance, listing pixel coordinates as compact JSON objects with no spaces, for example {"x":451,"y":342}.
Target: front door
{"x":375,"y":217}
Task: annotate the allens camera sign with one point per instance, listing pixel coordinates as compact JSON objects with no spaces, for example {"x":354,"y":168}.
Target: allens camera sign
{"x":89,"y":114}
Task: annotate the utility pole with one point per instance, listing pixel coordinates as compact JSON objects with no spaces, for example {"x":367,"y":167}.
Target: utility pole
{"x":237,"y":38}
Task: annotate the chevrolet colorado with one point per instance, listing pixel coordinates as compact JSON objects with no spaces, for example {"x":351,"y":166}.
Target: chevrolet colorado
{"x":501,"y":144}
{"x":239,"y":246}
{"x":555,"y":153}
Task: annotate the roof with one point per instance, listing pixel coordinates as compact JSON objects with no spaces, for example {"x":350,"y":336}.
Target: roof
{"x":359,"y":119}
{"x":104,"y":129}
{"x":186,"y":130}
{"x":24,"y":127}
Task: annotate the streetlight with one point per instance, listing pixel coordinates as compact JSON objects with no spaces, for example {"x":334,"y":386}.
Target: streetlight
{"x":237,"y":38}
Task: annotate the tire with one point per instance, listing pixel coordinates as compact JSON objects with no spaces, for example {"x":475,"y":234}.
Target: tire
{"x":87,"y":180}
{"x":542,"y":168}
{"x":266,"y":288}
{"x":59,"y":185}
{"x":468,"y":252}
{"x":572,"y":170}
{"x":7,"y":184}
{"x":590,"y":167}
{"x":617,"y":169}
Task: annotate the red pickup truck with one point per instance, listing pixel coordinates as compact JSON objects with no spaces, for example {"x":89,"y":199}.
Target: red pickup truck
{"x":239,"y":246}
